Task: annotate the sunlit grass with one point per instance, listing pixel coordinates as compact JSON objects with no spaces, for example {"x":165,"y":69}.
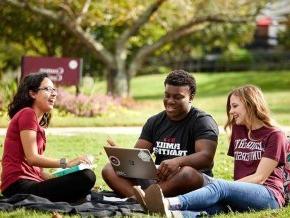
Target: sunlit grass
{"x":212,"y":89}
{"x":213,"y":84}
{"x":71,"y":146}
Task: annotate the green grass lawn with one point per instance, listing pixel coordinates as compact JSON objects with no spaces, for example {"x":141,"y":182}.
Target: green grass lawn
{"x":71,"y":146}
{"x":212,"y":89}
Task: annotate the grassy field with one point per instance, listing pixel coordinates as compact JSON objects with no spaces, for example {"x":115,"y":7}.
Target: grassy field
{"x":148,"y":92}
{"x":71,"y":146}
{"x":211,"y":96}
{"x":212,"y":90}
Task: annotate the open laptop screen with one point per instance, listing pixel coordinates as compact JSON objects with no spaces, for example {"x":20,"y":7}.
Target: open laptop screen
{"x":131,"y":162}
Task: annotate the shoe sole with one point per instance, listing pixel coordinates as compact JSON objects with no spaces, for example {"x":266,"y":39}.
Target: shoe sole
{"x":140,"y":197}
{"x":154,"y":200}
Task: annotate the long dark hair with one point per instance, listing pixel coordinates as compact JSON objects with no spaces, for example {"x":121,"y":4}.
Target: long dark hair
{"x":23,"y":99}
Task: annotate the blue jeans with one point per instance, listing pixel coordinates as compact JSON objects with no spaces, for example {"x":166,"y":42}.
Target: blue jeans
{"x":223,"y":196}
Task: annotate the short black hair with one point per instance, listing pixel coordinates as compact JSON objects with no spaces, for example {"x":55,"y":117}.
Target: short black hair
{"x":181,"y":78}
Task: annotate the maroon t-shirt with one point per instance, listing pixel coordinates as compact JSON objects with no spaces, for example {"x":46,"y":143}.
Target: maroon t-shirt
{"x":265,"y":142}
{"x":14,"y":164}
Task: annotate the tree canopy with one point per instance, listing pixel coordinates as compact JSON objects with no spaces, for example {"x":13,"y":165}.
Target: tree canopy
{"x":119,"y":35}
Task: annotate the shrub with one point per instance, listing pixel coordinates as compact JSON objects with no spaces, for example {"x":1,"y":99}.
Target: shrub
{"x":83,"y":105}
{"x":8,"y":87}
{"x":238,"y":56}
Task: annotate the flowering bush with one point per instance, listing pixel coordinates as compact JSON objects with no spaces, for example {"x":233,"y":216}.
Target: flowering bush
{"x":83,"y":105}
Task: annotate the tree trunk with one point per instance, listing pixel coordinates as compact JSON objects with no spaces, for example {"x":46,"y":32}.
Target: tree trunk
{"x":117,"y":83}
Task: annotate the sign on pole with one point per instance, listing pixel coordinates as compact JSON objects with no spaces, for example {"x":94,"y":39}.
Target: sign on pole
{"x":64,"y":71}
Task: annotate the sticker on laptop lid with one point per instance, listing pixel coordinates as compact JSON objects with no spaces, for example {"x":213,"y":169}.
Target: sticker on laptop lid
{"x":120,"y":173}
{"x":144,"y":156}
{"x":114,"y":161}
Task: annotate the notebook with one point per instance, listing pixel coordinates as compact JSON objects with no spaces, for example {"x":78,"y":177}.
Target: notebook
{"x":62,"y":172}
{"x":132,"y":162}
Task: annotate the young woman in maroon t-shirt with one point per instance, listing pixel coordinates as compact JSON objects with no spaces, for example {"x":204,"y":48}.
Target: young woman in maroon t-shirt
{"x":259,"y":151}
{"x":23,"y":160}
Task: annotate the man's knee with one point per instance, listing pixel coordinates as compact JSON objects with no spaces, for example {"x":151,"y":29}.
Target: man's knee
{"x":190,"y":175}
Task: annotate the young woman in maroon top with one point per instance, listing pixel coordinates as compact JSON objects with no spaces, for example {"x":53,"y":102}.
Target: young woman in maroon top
{"x":259,"y":151}
{"x":23,"y":159}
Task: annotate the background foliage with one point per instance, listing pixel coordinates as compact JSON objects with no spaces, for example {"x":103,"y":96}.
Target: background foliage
{"x":117,"y":37}
{"x":148,"y":92}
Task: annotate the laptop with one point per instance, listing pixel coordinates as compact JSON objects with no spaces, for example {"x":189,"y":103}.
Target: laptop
{"x":132,"y":162}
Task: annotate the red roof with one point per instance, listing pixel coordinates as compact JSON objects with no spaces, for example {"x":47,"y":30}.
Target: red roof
{"x":264,"y":21}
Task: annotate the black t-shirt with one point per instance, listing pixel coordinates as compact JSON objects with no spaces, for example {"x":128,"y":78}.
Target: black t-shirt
{"x":177,"y":138}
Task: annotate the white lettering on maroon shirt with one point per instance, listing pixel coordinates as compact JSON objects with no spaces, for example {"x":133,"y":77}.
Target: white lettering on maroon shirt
{"x":255,"y":155}
{"x":252,"y":145}
{"x":253,"y":152}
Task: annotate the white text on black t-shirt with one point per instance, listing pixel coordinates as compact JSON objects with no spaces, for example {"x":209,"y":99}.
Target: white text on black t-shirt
{"x":166,"y":148}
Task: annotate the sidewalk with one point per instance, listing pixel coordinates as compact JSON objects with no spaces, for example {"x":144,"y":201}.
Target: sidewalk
{"x":132,"y":130}
{"x":83,"y":130}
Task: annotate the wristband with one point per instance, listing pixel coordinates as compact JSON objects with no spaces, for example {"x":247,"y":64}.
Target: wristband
{"x":62,"y":163}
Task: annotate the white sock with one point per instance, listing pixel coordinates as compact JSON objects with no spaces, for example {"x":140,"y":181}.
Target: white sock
{"x":174,"y":203}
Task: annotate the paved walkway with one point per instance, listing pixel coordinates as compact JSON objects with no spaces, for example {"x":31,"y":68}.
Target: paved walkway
{"x":82,"y":130}
{"x":132,"y":130}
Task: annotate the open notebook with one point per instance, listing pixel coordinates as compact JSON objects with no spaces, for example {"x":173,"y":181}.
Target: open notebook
{"x":62,"y":172}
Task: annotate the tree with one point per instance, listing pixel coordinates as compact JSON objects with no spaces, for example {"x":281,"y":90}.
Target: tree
{"x":283,"y":35}
{"x":165,"y":20}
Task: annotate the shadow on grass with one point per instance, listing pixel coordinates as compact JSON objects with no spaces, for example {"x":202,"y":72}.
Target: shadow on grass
{"x":222,"y":84}
{"x":149,"y":97}
{"x":280,"y":110}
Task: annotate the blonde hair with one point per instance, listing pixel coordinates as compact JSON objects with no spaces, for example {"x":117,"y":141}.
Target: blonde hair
{"x":256,"y":106}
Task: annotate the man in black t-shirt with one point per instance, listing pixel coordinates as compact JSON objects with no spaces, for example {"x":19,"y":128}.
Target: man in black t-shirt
{"x":183,"y":139}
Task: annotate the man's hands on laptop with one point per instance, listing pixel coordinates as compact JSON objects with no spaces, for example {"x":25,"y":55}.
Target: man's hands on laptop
{"x":167,"y":169}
